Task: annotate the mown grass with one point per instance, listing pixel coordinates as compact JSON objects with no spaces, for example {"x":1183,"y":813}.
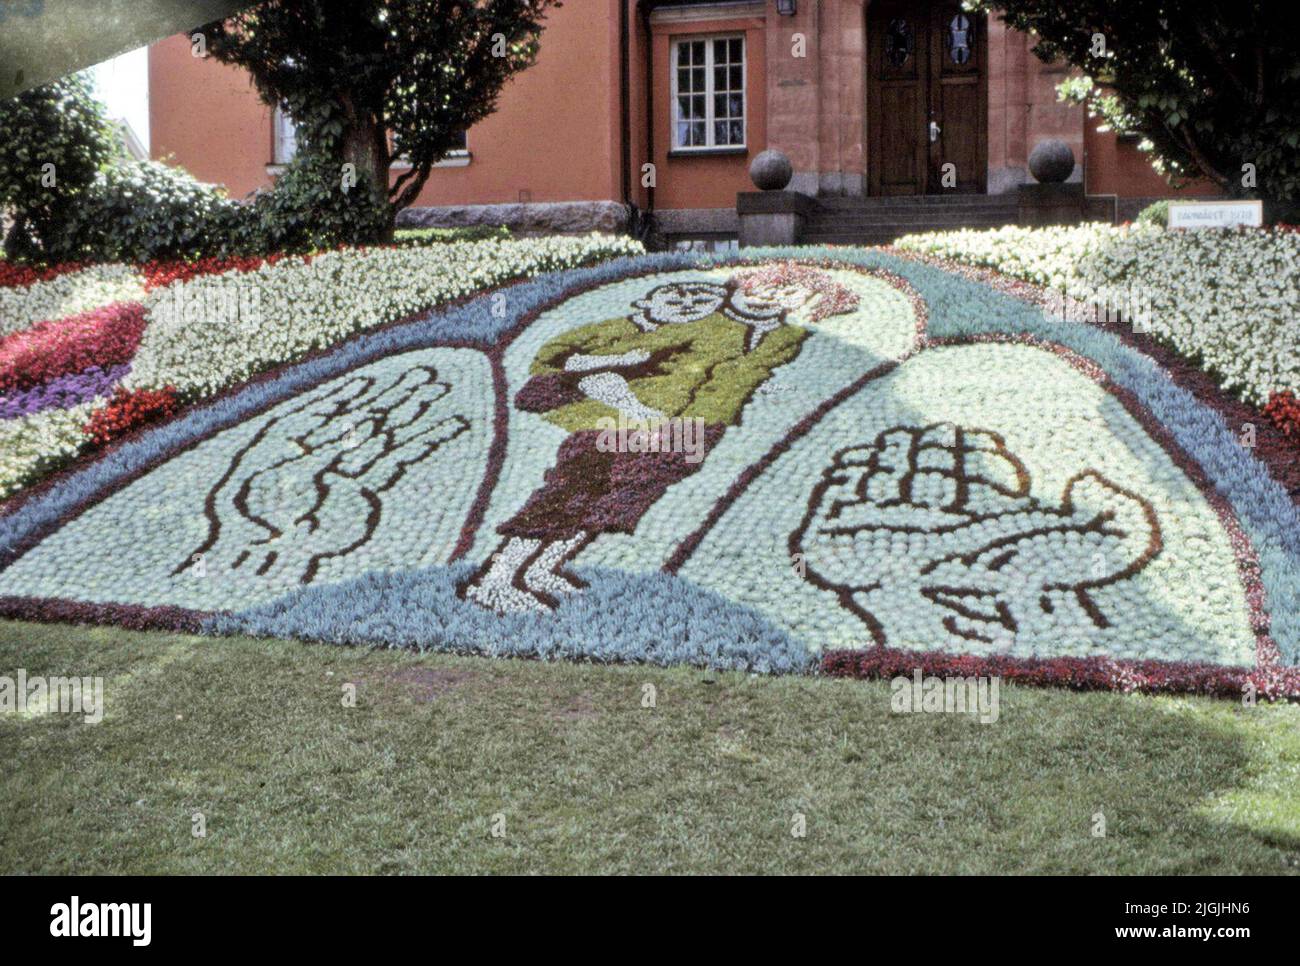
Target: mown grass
{"x":255,"y":736}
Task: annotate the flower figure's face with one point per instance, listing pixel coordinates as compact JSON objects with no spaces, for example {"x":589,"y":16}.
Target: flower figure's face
{"x":681,"y":302}
{"x":767,"y":301}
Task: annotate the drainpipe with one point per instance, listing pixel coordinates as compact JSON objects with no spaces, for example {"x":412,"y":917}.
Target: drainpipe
{"x":624,"y":99}
{"x":643,"y":9}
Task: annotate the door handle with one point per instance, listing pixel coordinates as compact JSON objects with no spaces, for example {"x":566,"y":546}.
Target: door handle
{"x":934,"y":132}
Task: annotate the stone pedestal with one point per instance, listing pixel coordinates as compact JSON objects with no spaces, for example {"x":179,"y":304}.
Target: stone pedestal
{"x":1050,"y":204}
{"x":772,"y":217}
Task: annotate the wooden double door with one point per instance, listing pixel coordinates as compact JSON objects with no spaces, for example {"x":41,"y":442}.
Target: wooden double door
{"x":927,"y":98}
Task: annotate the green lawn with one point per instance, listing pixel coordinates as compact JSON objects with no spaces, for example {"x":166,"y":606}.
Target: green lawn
{"x":254,"y":735}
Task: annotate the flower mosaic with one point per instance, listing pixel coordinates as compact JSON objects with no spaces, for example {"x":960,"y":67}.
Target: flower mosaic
{"x":851,"y":461}
{"x":177,"y":332}
{"x":937,"y":509}
{"x":363,"y":472}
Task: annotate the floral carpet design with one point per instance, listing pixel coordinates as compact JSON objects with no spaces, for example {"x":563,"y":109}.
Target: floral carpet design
{"x":858,"y":463}
{"x":945,"y":513}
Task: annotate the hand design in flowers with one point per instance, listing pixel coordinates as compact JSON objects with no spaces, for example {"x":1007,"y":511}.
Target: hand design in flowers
{"x":309,"y":484}
{"x":929,"y":534}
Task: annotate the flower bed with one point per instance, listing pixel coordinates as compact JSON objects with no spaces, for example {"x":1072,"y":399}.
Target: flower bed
{"x":216,"y":330}
{"x":14,"y":274}
{"x":1225,"y":299}
{"x":63,"y":392}
{"x":895,"y":467}
{"x":34,"y":445}
{"x":127,"y":411}
{"x":43,"y":296}
{"x":104,"y":337}
{"x":205,"y":325}
{"x":1284,"y":409}
{"x":162,"y":274}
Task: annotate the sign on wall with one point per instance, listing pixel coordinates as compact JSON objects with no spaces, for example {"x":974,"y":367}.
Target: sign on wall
{"x":1216,"y":214}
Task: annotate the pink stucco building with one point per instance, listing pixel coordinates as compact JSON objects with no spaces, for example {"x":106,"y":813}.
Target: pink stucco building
{"x":868,"y":99}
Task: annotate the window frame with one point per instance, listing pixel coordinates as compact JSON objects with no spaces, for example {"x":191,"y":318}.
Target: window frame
{"x":710,"y":146}
{"x":456,"y":157}
{"x":280,"y":119}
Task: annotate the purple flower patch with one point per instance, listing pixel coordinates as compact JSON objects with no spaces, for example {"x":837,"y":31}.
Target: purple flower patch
{"x":63,"y":392}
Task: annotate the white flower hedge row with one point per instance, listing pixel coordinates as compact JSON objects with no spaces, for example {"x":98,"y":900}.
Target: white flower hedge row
{"x":1044,"y":256}
{"x":216,"y":330}
{"x":1225,"y":298}
{"x":23,"y":306}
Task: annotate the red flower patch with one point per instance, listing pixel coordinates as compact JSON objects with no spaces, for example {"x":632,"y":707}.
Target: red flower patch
{"x":1073,"y":673}
{"x":13,"y":274}
{"x":162,"y":274}
{"x":106,"y":336}
{"x":1284,"y":409}
{"x":128,"y":410}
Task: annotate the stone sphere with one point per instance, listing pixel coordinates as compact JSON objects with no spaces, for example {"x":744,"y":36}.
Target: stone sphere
{"x":1051,"y":162}
{"x":770,"y":170}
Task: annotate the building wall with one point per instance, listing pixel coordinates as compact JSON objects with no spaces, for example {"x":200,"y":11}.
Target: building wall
{"x":705,"y":181}
{"x":555,"y":133}
{"x":1023,"y":108}
{"x":816,"y":95}
{"x":1119,"y":168}
{"x":554,"y":136}
{"x":207,"y":118}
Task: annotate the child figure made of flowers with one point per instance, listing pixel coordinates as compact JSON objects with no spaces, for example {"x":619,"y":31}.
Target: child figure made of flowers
{"x":684,"y":363}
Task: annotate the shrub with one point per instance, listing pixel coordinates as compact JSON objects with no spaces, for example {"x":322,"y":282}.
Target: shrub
{"x":1156,"y":213}
{"x":55,"y":138}
{"x":129,"y":410}
{"x":138,"y":211}
{"x":306,"y":210}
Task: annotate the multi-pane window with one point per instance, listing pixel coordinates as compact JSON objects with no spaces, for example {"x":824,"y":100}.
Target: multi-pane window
{"x":709,"y":93}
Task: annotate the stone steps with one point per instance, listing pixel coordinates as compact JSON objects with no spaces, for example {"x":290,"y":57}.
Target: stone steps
{"x":879,"y":221}
{"x":836,"y":203}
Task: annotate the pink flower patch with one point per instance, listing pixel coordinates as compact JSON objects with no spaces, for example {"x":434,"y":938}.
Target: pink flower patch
{"x":826,"y":297}
{"x":104,"y":337}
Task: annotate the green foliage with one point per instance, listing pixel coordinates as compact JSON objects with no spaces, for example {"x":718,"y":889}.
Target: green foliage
{"x":441,"y":236}
{"x":591,"y":785}
{"x":309,"y":209}
{"x":137,"y":211}
{"x":374,"y":80}
{"x":1212,"y":88}
{"x":53,"y":141}
{"x":1156,"y":214}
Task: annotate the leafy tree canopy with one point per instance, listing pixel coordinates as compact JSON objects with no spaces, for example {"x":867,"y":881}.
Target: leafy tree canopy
{"x":1213,"y":88}
{"x":369,"y":81}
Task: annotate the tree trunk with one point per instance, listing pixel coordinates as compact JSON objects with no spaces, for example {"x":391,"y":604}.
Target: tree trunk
{"x":365,"y":145}
{"x":19,"y":245}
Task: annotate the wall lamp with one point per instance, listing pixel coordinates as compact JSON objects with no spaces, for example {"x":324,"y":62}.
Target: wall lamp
{"x":786,"y":8}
